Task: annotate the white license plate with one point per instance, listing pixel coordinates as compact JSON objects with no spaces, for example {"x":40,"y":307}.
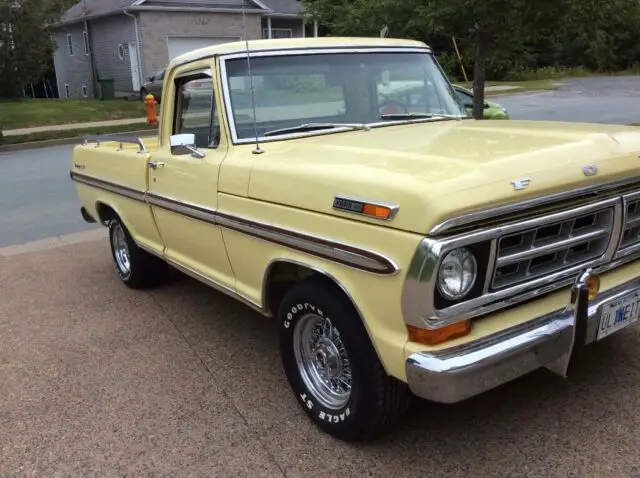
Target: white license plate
{"x":618,"y":314}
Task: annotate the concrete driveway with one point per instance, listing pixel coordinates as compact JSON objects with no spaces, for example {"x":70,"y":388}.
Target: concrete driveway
{"x":99,"y":380}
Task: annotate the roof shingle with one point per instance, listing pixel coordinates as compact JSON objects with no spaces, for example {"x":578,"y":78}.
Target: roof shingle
{"x":105,"y":7}
{"x":288,"y":7}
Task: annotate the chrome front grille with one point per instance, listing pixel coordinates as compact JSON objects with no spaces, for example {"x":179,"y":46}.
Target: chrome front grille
{"x":631,"y":232}
{"x":553,"y":247}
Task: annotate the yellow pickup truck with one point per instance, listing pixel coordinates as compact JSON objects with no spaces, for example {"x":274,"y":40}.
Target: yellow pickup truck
{"x":417,"y":252}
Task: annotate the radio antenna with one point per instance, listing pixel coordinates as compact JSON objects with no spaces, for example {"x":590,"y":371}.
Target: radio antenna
{"x":253,"y":98}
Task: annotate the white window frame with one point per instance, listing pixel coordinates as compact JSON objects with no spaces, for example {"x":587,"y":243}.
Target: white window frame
{"x":85,"y":37}
{"x":265,"y":32}
{"x":121,"y":52}
{"x":67,"y":91}
{"x":85,"y":91}
{"x":70,"y":44}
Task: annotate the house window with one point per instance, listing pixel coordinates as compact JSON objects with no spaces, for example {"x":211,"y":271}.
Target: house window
{"x":67,"y":92}
{"x":277,"y":33}
{"x":85,"y":36}
{"x":70,"y":44}
{"x":121,"y":51}
{"x":84,"y":91}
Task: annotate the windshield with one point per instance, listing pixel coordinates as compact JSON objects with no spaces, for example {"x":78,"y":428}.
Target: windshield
{"x":336,"y":89}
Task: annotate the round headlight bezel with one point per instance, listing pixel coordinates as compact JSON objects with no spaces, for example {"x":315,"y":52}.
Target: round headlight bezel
{"x":469,"y":258}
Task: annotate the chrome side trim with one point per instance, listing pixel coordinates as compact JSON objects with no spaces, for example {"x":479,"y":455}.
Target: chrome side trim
{"x":326,"y":249}
{"x":135,"y":194}
{"x":334,"y":251}
{"x":484,"y":214}
{"x":552,"y":341}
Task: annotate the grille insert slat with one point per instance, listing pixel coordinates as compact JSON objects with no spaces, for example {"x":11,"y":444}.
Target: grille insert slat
{"x":550,"y":248}
{"x":631,"y":233}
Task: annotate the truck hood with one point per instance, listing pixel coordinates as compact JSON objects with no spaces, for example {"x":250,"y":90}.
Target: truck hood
{"x":435,"y":171}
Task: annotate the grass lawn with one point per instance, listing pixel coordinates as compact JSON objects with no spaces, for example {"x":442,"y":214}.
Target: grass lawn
{"x":73,"y":133}
{"x":41,"y":112}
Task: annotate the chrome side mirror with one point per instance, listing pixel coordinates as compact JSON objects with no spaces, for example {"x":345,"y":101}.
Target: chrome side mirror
{"x":181,"y":142}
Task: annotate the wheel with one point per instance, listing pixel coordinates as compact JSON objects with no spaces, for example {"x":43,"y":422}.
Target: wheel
{"x":331,"y":365}
{"x":136,"y":267}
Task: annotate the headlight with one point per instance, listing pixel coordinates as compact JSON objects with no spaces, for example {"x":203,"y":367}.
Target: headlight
{"x":457,"y":273}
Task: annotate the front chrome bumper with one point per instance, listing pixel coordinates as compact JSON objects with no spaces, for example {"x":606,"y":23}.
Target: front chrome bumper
{"x":552,"y":341}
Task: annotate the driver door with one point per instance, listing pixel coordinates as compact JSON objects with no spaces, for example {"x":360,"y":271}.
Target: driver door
{"x":183,"y":182}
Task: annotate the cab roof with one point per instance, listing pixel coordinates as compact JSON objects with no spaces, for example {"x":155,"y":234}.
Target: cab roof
{"x":274,"y":45}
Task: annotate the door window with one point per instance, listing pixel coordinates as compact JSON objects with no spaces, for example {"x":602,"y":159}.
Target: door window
{"x":196,"y":110}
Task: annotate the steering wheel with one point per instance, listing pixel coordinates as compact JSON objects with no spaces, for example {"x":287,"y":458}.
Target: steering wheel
{"x":390,"y":107}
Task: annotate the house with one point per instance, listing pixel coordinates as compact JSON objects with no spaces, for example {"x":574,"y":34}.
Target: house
{"x":129,"y":40}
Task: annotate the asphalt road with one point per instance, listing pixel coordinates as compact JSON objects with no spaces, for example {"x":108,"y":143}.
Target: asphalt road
{"x":593,"y":100}
{"x":38,"y":199}
{"x":100,"y":380}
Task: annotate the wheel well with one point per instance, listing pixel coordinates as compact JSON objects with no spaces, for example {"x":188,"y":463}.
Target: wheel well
{"x":105,"y":213}
{"x":282,"y":275}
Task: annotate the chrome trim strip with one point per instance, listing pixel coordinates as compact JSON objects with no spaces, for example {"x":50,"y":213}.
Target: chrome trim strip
{"x":327,"y":249}
{"x":484,"y":214}
{"x":551,"y":341}
{"x":111,"y":187}
{"x":334,"y":251}
{"x":393,"y":208}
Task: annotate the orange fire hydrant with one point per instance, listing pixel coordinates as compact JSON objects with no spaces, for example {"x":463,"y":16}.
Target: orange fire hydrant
{"x":151,"y":103}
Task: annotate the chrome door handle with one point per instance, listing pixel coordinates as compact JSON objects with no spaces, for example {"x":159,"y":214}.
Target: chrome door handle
{"x":156,"y":164}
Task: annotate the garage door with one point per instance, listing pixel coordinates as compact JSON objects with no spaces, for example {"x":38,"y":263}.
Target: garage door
{"x":179,"y":45}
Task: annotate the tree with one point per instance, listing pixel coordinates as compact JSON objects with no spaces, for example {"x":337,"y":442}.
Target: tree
{"x":492,"y":25}
{"x":26,"y":45}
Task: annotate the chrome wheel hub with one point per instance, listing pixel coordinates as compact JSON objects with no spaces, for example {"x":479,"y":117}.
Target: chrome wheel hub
{"x":322,"y":360}
{"x":121,"y":250}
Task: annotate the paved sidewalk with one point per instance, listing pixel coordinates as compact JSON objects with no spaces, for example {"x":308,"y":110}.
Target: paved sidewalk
{"x":100,"y":380}
{"x":73,"y":126}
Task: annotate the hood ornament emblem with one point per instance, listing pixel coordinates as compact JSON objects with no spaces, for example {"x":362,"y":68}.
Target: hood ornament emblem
{"x":590,"y":170}
{"x":520,"y":184}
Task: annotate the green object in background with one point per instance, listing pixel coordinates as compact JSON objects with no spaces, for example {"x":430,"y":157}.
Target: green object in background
{"x":107,"y":91}
{"x":491,"y":110}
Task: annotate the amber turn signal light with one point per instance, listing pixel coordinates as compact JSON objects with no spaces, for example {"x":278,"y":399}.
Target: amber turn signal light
{"x":593,"y":285}
{"x":379,"y":212}
{"x":438,"y":336}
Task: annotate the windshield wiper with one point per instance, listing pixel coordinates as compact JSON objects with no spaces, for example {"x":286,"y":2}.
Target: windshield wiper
{"x":401,"y":116}
{"x":316,"y":126}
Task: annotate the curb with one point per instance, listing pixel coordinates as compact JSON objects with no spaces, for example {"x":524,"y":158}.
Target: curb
{"x":54,"y":242}
{"x":65,"y":141}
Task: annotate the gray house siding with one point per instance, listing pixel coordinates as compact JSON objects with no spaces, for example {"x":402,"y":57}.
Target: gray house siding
{"x":73,"y":70}
{"x":277,"y":24}
{"x":155,"y":27}
{"x":106,"y":35}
